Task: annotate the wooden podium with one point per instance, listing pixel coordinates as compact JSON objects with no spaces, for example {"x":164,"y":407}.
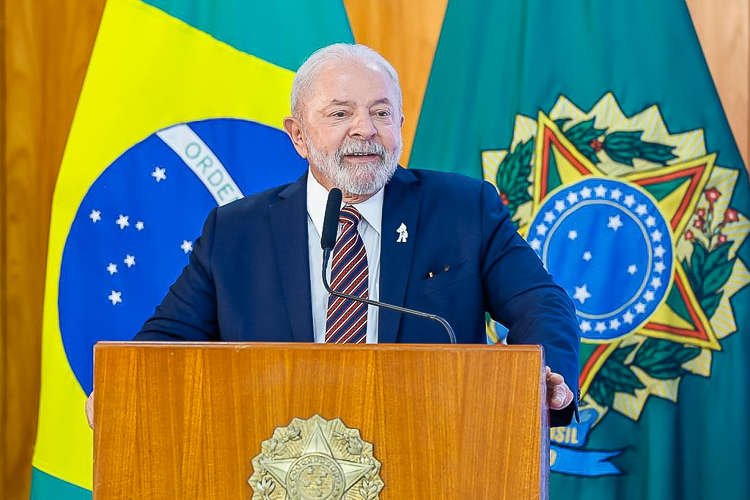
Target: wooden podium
{"x":185,"y":420}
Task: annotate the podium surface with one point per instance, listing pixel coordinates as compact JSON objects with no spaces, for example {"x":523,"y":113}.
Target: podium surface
{"x":186,"y":420}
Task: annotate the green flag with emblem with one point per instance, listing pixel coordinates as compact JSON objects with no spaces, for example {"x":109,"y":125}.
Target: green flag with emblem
{"x":600,"y":126}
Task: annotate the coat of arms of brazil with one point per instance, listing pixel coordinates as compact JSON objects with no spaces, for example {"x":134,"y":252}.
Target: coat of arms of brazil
{"x":638,"y":226}
{"x":316,"y":459}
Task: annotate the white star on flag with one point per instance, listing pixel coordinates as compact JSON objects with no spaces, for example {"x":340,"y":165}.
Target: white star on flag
{"x":572,"y":235}
{"x":628,"y":318}
{"x":129,"y":260}
{"x":600,"y":191}
{"x":641,"y":210}
{"x":629,"y":200}
{"x":122,"y":221}
{"x":616,"y":194}
{"x":582,"y":293}
{"x":600,"y":326}
{"x":549,"y":217}
{"x":560,"y":205}
{"x":659,"y":267}
{"x":112,"y":268}
{"x":139,"y":225}
{"x":115,"y":297}
{"x":650,"y":221}
{"x":656,"y":235}
{"x":640,"y":308}
{"x":535,"y":244}
{"x":649,"y":296}
{"x":585,"y":326}
{"x":159,"y":174}
{"x":656,"y":283}
{"x":95,"y":216}
{"x":587,"y":256}
{"x":614,"y":223}
{"x":659,"y":251}
{"x":586,"y":193}
{"x":614,"y":324}
{"x":572,"y":198}
{"x":632,"y":268}
{"x":186,"y":246}
{"x":541,"y":229}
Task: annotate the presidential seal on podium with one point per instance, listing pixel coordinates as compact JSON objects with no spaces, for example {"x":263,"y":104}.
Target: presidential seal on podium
{"x":315,"y":459}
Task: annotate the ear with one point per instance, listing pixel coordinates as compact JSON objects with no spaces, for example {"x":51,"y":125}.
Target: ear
{"x":294,"y":131}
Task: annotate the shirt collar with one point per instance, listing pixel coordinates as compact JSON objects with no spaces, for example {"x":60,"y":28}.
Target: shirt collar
{"x":317,"y":197}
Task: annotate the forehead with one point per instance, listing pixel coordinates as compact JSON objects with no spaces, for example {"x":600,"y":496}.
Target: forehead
{"x":354,"y":82}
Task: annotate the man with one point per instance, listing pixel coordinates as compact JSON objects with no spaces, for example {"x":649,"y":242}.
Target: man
{"x":435,"y":242}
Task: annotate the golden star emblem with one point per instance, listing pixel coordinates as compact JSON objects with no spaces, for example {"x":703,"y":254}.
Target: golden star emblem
{"x":316,"y":473}
{"x":676,"y":190}
{"x":571,"y":161}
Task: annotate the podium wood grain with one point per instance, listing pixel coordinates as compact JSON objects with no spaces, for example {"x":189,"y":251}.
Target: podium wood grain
{"x":179,"y":420}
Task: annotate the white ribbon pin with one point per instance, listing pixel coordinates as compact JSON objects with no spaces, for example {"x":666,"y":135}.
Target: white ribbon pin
{"x":403,"y":234}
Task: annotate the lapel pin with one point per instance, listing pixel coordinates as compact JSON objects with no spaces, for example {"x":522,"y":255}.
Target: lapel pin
{"x":403,"y":234}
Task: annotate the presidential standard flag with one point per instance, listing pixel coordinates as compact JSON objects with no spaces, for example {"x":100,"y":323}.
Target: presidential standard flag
{"x":181,"y":110}
{"x":601,"y":128}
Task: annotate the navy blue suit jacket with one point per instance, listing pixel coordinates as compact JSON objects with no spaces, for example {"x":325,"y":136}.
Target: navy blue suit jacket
{"x":248,"y":276}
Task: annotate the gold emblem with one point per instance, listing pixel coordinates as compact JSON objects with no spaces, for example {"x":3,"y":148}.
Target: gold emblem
{"x":315,"y":459}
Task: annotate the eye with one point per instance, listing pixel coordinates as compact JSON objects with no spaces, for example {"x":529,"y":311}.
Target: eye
{"x":338,"y":114}
{"x":382,"y":113}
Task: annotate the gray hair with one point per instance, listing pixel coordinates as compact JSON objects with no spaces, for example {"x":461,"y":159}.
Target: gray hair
{"x":306,"y":74}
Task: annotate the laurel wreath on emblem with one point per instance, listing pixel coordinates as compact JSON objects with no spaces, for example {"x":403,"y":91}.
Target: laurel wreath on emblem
{"x":316,"y":459}
{"x":513,"y":181}
{"x":690,"y":193}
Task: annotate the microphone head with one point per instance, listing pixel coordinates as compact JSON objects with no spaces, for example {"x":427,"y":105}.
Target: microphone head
{"x":331,"y":220}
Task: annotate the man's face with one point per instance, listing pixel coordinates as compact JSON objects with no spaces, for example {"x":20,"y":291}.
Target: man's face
{"x":351,"y":128}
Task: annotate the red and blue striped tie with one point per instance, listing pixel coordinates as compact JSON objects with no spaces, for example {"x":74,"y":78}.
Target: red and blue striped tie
{"x":347,"y":320}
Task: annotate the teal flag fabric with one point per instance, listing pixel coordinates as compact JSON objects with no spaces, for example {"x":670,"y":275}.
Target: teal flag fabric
{"x":600,"y":126}
{"x":283,"y":33}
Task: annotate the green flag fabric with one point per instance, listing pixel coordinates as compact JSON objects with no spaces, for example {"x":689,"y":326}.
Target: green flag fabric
{"x":600,"y":126}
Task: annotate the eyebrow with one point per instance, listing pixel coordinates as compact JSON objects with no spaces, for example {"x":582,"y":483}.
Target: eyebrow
{"x":384,"y":100}
{"x":337,"y":102}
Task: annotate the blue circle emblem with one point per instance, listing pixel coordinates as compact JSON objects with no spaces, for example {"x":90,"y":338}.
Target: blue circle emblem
{"x":608,"y":245}
{"x":135,"y":228}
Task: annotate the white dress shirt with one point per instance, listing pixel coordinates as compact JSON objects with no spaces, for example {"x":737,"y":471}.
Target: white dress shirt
{"x":369,"y":229}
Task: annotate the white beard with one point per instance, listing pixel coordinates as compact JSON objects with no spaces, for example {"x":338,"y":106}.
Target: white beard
{"x":360,"y":179}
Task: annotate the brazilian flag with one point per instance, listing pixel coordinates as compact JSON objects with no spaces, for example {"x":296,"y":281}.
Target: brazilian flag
{"x":600,"y":126}
{"x":181,"y":110}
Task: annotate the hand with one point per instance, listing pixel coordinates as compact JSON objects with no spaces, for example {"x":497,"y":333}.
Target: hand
{"x":558,"y":394}
{"x":90,"y":410}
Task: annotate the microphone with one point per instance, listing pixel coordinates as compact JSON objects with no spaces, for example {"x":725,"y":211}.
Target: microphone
{"x":328,"y":241}
{"x":331,"y":221}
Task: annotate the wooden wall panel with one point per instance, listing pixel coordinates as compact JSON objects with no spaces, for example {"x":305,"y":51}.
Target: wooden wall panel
{"x":724,"y":31}
{"x":3,"y":195}
{"x":406,"y":32}
{"x":46,"y":47}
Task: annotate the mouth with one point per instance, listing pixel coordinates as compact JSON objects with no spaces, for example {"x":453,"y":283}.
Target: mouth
{"x":362,"y":157}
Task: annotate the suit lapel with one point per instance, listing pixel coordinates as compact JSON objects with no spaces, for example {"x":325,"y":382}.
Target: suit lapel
{"x":289,"y":233}
{"x":401,"y":203}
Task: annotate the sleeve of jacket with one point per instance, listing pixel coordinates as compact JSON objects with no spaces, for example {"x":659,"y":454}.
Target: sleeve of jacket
{"x":188,"y":311}
{"x":522,"y":295}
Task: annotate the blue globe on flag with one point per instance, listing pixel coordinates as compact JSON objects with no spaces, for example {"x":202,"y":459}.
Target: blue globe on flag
{"x":136,"y":226}
{"x":622,"y":248}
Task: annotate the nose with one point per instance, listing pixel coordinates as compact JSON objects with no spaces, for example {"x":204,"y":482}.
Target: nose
{"x":362,"y":126}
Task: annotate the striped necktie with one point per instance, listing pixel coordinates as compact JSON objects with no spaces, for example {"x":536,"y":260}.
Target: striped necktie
{"x":347,"y":320}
